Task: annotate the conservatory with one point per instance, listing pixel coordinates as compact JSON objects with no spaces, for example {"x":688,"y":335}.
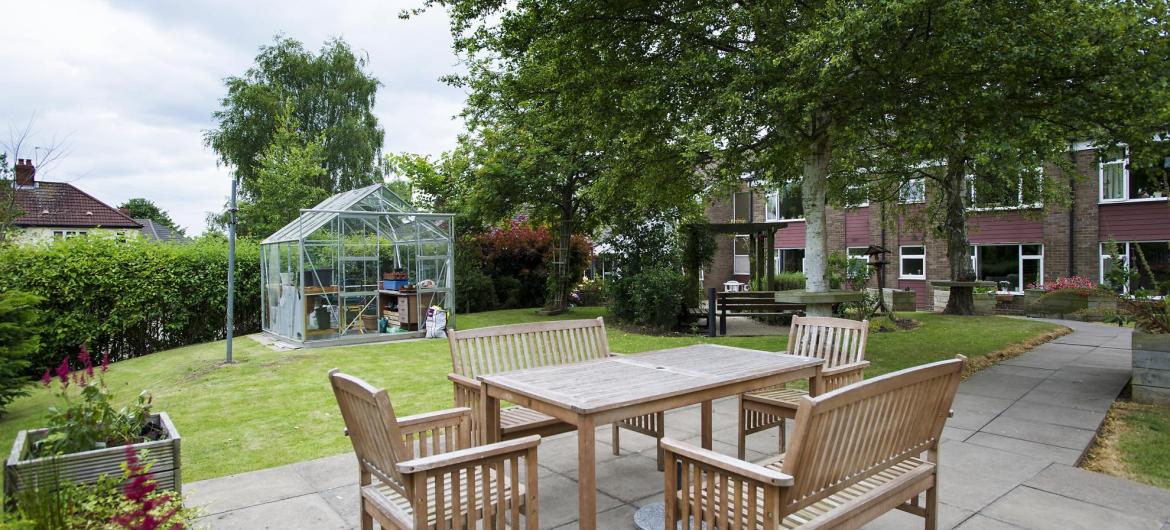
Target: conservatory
{"x":362,"y":266}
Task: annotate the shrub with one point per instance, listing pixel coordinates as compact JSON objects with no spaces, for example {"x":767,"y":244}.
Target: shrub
{"x":653,"y":297}
{"x":591,"y":292}
{"x":515,"y":259}
{"x":788,"y":281}
{"x":19,"y":339}
{"x":474,"y":290}
{"x":1070,"y":282}
{"x":131,"y":298}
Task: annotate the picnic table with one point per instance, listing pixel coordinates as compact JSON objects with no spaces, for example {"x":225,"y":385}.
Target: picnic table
{"x":603,"y":391}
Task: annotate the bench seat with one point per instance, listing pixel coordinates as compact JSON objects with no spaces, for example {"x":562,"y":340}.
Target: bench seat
{"x":518,"y":421}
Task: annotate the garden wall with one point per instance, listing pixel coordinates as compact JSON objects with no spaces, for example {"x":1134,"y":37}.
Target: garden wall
{"x":134,"y":297}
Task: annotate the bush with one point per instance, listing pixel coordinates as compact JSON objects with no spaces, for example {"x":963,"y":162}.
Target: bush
{"x":19,"y":340}
{"x":474,"y":290}
{"x":513,"y":261}
{"x":591,"y":292}
{"x":788,"y":281}
{"x":131,"y":298}
{"x":653,"y":297}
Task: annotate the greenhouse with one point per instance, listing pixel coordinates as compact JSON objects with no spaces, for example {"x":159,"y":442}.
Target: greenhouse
{"x":361,"y":266}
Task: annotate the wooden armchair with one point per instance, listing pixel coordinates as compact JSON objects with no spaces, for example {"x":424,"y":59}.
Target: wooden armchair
{"x":857,"y":453}
{"x":839,"y":342}
{"x":495,"y":349}
{"x":423,"y":472}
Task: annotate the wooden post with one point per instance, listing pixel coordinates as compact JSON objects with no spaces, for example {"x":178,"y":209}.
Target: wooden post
{"x":710,"y":311}
{"x":771,"y":261}
{"x":723,"y":314}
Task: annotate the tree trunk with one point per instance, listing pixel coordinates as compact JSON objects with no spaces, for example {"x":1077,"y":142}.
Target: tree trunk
{"x":816,"y":242}
{"x":961,"y":301}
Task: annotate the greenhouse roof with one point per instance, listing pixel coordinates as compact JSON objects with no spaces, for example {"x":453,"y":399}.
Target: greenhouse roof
{"x":375,"y":198}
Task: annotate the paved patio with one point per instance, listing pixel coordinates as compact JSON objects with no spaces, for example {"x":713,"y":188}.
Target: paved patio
{"x":1018,"y":429}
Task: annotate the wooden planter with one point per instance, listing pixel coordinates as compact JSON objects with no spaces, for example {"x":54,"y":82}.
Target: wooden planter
{"x":1151,"y":367}
{"x":984,"y":303}
{"x":87,"y":466}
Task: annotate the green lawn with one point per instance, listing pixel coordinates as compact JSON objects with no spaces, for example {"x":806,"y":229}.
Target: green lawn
{"x":1134,"y":444}
{"x":274,"y":408}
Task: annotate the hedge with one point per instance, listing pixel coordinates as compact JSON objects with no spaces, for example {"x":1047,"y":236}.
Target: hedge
{"x":131,"y":298}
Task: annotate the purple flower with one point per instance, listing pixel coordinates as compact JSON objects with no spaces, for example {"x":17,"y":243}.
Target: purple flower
{"x":47,"y":379}
{"x":63,"y":372}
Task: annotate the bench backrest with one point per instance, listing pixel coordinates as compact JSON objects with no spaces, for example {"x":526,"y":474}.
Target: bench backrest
{"x":836,"y":340}
{"x":516,"y":347}
{"x":372,"y":428}
{"x":856,"y":432}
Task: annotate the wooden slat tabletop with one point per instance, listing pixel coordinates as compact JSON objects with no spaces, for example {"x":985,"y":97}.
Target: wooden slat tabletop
{"x":594,"y":386}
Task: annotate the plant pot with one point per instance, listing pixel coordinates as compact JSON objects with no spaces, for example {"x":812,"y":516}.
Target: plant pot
{"x":1102,"y":302}
{"x":1151,"y":367}
{"x":984,"y":303}
{"x":86,"y":467}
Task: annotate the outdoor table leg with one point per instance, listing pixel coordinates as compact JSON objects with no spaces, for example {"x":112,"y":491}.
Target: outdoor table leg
{"x":705,"y":424}
{"x":490,"y":426}
{"x":586,"y":475}
{"x":816,"y":383}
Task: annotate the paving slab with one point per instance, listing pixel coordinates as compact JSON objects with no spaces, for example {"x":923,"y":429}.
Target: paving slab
{"x":981,"y":522}
{"x":972,"y":476}
{"x":1032,"y":508}
{"x":247,"y":489}
{"x":1039,"y":451}
{"x":1066,"y":416}
{"x":1045,"y":433}
{"x":948,"y":517}
{"x":1103,"y":490}
{"x":306,"y":511}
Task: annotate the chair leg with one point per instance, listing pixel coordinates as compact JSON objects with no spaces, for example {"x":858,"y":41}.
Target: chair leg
{"x":742,"y":435}
{"x":367,"y":519}
{"x":617,"y":449}
{"x":659,"y":434}
{"x":783,"y":435}
{"x":932,"y":507}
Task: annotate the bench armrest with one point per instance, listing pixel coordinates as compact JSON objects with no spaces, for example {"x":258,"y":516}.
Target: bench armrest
{"x":472,"y":455}
{"x":464,"y":381}
{"x":433,"y":420}
{"x":748,"y":470}
{"x":845,"y":368}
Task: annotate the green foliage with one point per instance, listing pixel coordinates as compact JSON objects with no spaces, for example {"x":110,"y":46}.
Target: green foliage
{"x":141,"y":208}
{"x":134,"y":297}
{"x":788,"y":281}
{"x":698,"y":252}
{"x":508,"y":267}
{"x":332,"y":98}
{"x":591,"y":292}
{"x":90,"y":421}
{"x":20,"y":337}
{"x":652,"y":297}
{"x":474,"y":289}
{"x":288,"y":177}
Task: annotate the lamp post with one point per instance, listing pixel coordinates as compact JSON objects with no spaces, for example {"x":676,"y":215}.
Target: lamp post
{"x":231,"y":276}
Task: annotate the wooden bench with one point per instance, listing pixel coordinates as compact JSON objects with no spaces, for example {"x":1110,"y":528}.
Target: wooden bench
{"x":424,"y":471}
{"x":839,"y":342}
{"x":857,"y":453}
{"x":751,"y":304}
{"x":497,"y":349}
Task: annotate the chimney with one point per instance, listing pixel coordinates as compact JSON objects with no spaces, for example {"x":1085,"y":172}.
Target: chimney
{"x":25,"y":172}
{"x":124,"y":211}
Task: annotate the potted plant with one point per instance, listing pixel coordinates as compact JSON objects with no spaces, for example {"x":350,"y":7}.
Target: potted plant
{"x":87,"y":438}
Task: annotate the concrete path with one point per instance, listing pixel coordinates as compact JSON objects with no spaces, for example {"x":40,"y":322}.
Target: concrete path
{"x":1018,"y":429}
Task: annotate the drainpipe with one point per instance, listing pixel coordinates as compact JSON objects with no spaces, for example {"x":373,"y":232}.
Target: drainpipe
{"x":1072,"y":220}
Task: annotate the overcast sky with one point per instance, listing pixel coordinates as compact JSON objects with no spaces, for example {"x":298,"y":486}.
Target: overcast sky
{"x":130,"y":85}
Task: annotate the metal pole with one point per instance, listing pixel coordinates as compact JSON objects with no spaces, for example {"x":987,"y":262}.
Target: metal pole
{"x":231,"y":279}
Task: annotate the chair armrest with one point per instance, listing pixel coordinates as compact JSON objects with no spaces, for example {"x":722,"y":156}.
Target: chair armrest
{"x":731,"y":465}
{"x":845,"y":368}
{"x":464,"y":381}
{"x":431,"y":420}
{"x":464,"y":456}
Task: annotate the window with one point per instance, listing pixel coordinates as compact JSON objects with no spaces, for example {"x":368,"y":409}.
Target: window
{"x":856,"y":196}
{"x":790,"y":260}
{"x":1121,"y":182}
{"x":1157,"y":254}
{"x":912,"y":191}
{"x":992,"y":193}
{"x":741,"y":207}
{"x":59,"y":234}
{"x":740,"y":263}
{"x":742,"y":243}
{"x":912,"y":263}
{"x":1011,"y":267}
{"x":857,"y":254}
{"x":784,"y":204}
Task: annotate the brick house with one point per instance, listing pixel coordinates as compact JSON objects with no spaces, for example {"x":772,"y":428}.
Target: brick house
{"x":59,"y":209}
{"x":1016,"y":239}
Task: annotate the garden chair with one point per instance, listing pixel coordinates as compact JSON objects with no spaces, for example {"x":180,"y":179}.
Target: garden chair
{"x":839,"y":342}
{"x":496,"y":349}
{"x":422,"y":472}
{"x":857,"y":453}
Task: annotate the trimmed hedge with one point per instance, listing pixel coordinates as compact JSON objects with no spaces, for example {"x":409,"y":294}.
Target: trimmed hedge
{"x":131,"y":298}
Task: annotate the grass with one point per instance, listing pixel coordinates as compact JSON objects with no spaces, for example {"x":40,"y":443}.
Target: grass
{"x":1134,"y":443}
{"x":273,"y":408}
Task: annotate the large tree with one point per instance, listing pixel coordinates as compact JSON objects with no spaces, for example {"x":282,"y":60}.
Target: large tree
{"x":141,"y":208}
{"x":332,"y":98}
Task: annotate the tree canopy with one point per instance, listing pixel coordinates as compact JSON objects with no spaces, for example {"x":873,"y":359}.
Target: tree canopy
{"x":332,"y":98}
{"x":141,"y":208}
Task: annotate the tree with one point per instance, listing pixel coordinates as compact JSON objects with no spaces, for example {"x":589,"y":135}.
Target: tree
{"x":332,"y":98}
{"x":286,"y":180}
{"x":43,"y":158}
{"x":141,"y":208}
{"x":19,"y":338}
{"x":994,"y":101}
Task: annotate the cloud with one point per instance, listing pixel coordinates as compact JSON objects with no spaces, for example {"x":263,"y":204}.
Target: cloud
{"x":133,"y":84}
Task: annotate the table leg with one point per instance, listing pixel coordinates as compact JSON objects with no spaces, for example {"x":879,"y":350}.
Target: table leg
{"x":586,"y":475}
{"x":705,"y":424}
{"x":490,"y":427}
{"x":816,"y":383}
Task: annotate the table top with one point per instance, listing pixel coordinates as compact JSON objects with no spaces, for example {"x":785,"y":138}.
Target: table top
{"x":615,"y":382}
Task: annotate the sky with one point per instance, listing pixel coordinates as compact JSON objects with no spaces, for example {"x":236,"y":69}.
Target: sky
{"x":127,"y":87}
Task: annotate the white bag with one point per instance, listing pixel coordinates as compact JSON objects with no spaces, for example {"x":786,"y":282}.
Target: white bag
{"x":436,"y":323}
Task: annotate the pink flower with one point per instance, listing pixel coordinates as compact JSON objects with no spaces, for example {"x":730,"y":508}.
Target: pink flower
{"x":85,"y":360}
{"x":63,"y":372}
{"x":105,"y":362}
{"x":47,"y":379}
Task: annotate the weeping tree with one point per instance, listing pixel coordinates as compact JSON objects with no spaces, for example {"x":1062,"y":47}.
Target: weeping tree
{"x":994,"y":101}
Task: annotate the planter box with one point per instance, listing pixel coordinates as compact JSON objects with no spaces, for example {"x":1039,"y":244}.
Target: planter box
{"x":984,"y":302}
{"x":897,"y":299}
{"x":87,"y":466}
{"x":1151,"y":367}
{"x":1101,"y":302}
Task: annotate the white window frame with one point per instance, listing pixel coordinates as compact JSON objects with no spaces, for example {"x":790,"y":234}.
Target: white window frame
{"x":740,"y":264}
{"x":918,"y":186}
{"x":773,"y":214}
{"x":863,"y":257}
{"x":902,"y":257}
{"x":855,"y":187}
{"x":734,"y":213}
{"x":1126,"y":258}
{"x":1020,"y":205}
{"x":1020,"y":259}
{"x":778,"y":264}
{"x":1124,"y":162}
{"x":65,"y":234}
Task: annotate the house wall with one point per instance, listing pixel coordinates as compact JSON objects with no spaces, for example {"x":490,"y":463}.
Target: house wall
{"x":44,"y":234}
{"x":1138,"y":221}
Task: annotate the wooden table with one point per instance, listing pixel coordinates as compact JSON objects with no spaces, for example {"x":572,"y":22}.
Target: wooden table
{"x":599,"y":392}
